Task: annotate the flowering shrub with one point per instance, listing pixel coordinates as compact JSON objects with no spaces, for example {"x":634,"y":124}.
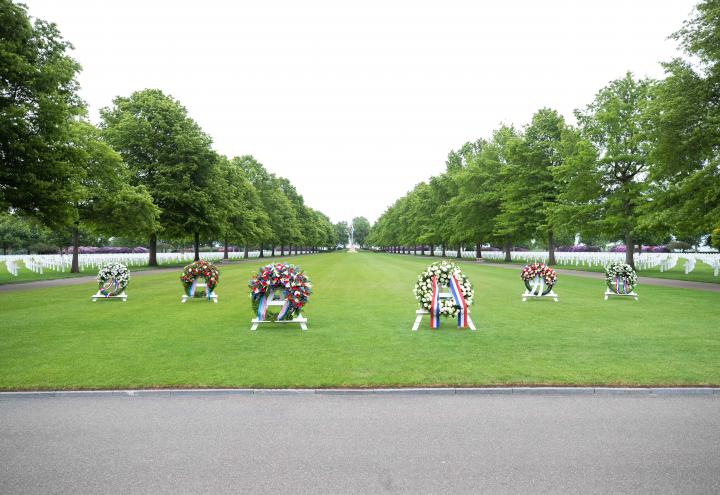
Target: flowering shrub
{"x":289,"y":281}
{"x":112,"y":279}
{"x":204,"y":269}
{"x":620,"y":277}
{"x":442,"y":271}
{"x":107,"y":250}
{"x":579,"y":248}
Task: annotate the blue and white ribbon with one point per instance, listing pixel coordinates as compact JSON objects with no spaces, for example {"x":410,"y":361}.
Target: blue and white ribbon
{"x":457,"y":293}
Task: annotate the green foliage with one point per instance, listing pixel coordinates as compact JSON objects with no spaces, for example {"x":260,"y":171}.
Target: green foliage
{"x":362,"y":229}
{"x":168,"y":154}
{"x":38,"y":103}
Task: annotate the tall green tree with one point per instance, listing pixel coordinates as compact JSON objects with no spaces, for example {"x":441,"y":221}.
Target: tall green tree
{"x":686,"y":129}
{"x":530,"y":190}
{"x":38,"y":104}
{"x":14,"y":231}
{"x":105,"y":202}
{"x":171,"y":156}
{"x":342,"y":231}
{"x":244,"y":221}
{"x":616,"y":183}
{"x":362,"y":229}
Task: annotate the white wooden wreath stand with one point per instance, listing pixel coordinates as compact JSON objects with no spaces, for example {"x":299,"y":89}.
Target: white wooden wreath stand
{"x":122,"y":296}
{"x":536,"y":291}
{"x":420,"y":312}
{"x":609,"y":293}
{"x":299,"y":318}
{"x":212,"y":297}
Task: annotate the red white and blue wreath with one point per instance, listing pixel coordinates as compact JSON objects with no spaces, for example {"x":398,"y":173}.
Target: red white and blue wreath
{"x":620,"y":277}
{"x":427,"y":292}
{"x":288,"y":282}
{"x":538,"y":277}
{"x":112,"y":279}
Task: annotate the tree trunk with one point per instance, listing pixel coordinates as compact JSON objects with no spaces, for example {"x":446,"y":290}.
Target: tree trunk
{"x":152,"y":246}
{"x":551,"y":247}
{"x":508,"y":247}
{"x":459,"y":252}
{"x":629,"y":249}
{"x":245,"y":253}
{"x":75,"y":266}
{"x":196,"y":243}
{"x":422,"y":250}
{"x":262,"y":251}
{"x":282,"y":250}
{"x":272,"y":251}
{"x":443,"y":251}
{"x":225,"y":253}
{"x":478,"y":251}
{"x":432,"y":250}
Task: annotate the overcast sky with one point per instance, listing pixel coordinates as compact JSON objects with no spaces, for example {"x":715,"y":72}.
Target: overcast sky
{"x":357,"y":102}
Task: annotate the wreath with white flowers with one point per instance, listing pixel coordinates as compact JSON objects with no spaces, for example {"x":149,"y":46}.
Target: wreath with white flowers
{"x":112,"y":279}
{"x":443,"y":271}
{"x":549,"y":276}
{"x":620,"y":277}
{"x":284,"y":280}
{"x":204,"y":269}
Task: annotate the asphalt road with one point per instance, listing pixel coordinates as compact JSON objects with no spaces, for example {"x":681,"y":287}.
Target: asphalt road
{"x":361,"y":444}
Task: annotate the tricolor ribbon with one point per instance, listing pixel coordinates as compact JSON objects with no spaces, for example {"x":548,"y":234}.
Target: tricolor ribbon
{"x":264,"y":303}
{"x":435,"y":305}
{"x":285,"y":307}
{"x":106,"y":291}
{"x":191,"y":292}
{"x":620,"y":285}
{"x":459,"y":297}
{"x":262,"y":307}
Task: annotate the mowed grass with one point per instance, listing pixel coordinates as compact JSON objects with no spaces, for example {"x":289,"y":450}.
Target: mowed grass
{"x":359,"y":335}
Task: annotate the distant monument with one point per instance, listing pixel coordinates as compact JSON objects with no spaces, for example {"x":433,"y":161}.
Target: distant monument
{"x":351,"y":248}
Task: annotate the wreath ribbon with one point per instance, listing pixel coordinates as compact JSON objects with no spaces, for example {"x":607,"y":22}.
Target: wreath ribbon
{"x":620,"y":285}
{"x":435,"y":305}
{"x":458,"y":296}
{"x":457,"y":293}
{"x":264,"y":303}
{"x":538,"y":285}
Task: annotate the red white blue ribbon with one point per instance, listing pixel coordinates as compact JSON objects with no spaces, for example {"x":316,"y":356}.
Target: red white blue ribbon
{"x":459,"y":297}
{"x":265,"y":302}
{"x":285,"y":307}
{"x":435,"y":305}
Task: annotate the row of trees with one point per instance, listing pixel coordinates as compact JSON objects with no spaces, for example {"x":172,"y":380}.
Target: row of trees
{"x":642,"y":165}
{"x":148,"y":170}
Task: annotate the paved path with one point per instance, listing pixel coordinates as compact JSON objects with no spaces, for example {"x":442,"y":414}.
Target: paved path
{"x":361,"y":444}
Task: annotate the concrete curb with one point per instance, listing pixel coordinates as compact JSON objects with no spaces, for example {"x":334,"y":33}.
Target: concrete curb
{"x":219,"y":392}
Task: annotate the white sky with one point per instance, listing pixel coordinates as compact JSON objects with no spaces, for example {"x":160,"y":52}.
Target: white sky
{"x":357,"y":102}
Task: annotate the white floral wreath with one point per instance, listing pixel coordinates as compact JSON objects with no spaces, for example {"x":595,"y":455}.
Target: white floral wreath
{"x":443,"y":271}
{"x":112,"y":279}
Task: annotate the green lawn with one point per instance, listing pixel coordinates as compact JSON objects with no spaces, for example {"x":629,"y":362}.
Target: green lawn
{"x":359,"y":334}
